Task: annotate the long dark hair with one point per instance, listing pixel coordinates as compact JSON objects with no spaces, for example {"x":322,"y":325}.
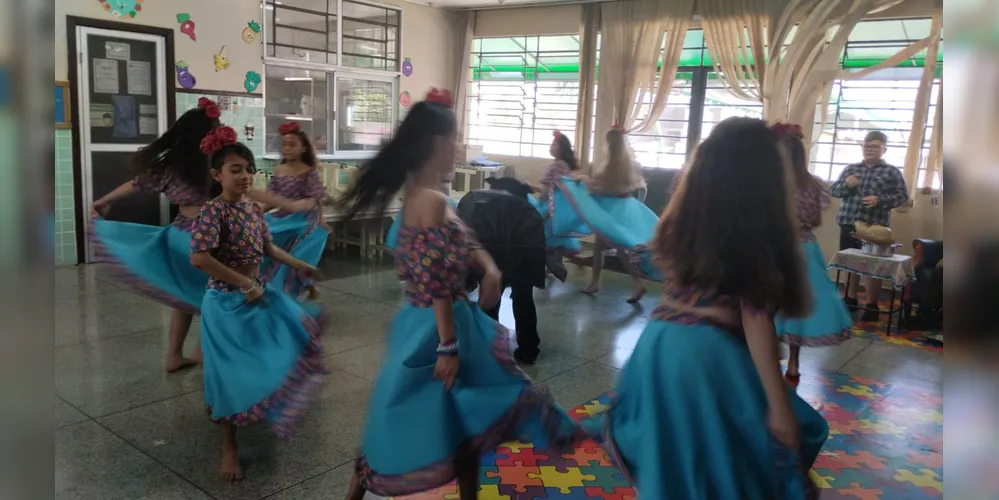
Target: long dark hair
{"x":308,"y":156}
{"x":178,"y":151}
{"x":795,"y":146}
{"x":385,"y":174}
{"x":731,"y":225}
{"x":565,"y":152}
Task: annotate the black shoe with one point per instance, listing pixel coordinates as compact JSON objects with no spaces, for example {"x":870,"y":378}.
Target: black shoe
{"x":525,"y":358}
{"x":851,"y":304}
{"x":871,"y":314}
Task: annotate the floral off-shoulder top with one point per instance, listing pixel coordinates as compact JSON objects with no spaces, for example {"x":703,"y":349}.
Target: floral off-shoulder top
{"x":234,"y":233}
{"x":298,"y":187}
{"x":676,"y":294}
{"x":176,"y":190}
{"x":434,"y":261}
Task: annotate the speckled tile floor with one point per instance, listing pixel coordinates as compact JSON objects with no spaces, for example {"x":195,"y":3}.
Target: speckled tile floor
{"x":126,"y":430}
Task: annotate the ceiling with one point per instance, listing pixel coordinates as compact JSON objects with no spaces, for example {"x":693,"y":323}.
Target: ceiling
{"x":479,"y":4}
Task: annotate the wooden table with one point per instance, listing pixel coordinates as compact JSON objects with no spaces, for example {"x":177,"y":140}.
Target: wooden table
{"x":371,"y":241}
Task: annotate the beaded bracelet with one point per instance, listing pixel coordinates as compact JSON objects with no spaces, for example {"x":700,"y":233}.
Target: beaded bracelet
{"x":253,"y":286}
{"x":449,"y":348}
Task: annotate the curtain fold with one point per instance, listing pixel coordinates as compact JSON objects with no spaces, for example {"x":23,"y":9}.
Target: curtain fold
{"x":589,"y":29}
{"x":632,"y":41}
{"x":917,"y":133}
{"x":462,"y":71}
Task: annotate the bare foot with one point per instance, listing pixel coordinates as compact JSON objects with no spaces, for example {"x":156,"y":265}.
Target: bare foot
{"x":230,"y":472}
{"x":175,"y":362}
{"x":639,"y":293}
{"x":792,"y":370}
{"x":313,"y":292}
{"x":591,"y":289}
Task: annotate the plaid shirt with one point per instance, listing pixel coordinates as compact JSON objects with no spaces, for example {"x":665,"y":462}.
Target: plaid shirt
{"x":881,"y":180}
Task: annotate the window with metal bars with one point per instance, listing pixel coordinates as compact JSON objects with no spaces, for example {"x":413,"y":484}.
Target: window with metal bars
{"x":509,"y":81}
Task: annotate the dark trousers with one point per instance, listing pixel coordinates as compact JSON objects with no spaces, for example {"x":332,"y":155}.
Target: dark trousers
{"x":524,"y":314}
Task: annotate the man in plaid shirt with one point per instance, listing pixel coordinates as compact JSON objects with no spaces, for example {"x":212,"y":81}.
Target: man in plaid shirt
{"x":870,"y":190}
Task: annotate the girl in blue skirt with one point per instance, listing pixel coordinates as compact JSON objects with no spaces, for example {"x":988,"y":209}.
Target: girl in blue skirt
{"x":701,"y":411}
{"x":448,"y":389}
{"x":300,"y":232}
{"x":560,"y":233}
{"x":614,"y":207}
{"x":830,"y":321}
{"x":262,"y":354}
{"x":154,"y":259}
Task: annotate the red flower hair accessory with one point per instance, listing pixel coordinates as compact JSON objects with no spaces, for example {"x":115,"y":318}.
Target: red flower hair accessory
{"x":442,"y":97}
{"x":619,"y":128}
{"x":211,"y":109}
{"x":556,"y":133}
{"x":788,"y":130}
{"x":218,"y":139}
{"x":288,"y":128}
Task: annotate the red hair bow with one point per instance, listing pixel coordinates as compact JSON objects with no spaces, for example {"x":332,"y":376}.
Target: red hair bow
{"x":218,"y":139}
{"x":441,"y":97}
{"x":618,"y":127}
{"x":556,"y":133}
{"x":288,"y":127}
{"x":211,"y":109}
{"x":788,"y":129}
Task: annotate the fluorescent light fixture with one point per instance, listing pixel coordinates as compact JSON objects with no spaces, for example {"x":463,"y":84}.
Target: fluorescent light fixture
{"x":298,"y":78}
{"x":299,"y":118}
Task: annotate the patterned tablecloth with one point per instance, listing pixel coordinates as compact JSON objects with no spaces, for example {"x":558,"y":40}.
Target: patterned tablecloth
{"x":897,"y":268}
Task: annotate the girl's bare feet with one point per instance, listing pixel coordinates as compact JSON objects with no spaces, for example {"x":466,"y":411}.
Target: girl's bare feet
{"x":793,"y":362}
{"x":230,"y":471}
{"x":637,"y":296}
{"x":591,"y":289}
{"x":313,"y":292}
{"x":175,"y":362}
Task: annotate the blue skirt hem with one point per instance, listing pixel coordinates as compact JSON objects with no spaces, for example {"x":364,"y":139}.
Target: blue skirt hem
{"x":531,"y":401}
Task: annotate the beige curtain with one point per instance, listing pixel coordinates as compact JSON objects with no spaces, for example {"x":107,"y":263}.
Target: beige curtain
{"x":461,"y":73}
{"x":917,"y":134}
{"x":589,"y":28}
{"x":934,"y":160}
{"x":633,"y":36}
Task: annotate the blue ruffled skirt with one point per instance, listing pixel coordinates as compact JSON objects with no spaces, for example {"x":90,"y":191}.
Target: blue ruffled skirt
{"x":624,"y":221}
{"x":830,"y":322}
{"x":563,"y":227}
{"x":300,"y":235}
{"x":688,"y":421}
{"x":262,"y":361}
{"x":415,"y":427}
{"x":154,"y":260}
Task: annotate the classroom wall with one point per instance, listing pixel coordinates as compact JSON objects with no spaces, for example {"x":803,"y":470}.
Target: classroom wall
{"x":429,"y":36}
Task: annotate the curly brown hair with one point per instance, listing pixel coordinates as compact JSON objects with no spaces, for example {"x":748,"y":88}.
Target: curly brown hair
{"x":731,"y":225}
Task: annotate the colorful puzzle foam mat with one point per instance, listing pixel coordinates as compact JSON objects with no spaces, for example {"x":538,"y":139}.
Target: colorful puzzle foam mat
{"x":875,"y":330}
{"x":885,"y":443}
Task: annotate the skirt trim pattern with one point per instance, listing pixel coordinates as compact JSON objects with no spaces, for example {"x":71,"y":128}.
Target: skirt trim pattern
{"x":283,"y":409}
{"x":442,"y":472}
{"x":806,"y":341}
{"x":784,"y":460}
{"x":294,"y":281}
{"x":121,"y":273}
{"x":635,"y":256}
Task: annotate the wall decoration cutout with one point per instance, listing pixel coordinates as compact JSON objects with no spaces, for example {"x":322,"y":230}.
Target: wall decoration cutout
{"x":184,"y":77}
{"x":405,"y":99}
{"x":250,"y":32}
{"x":407,"y":67}
{"x":222,"y":59}
{"x":225,"y":102}
{"x":122,"y":8}
{"x":187,"y":25}
{"x":252,"y":81}
{"x":248,"y":130}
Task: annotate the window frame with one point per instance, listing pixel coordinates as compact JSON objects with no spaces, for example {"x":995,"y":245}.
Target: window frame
{"x":333,"y":71}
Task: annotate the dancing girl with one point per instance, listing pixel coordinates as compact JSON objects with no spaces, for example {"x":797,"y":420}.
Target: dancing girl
{"x":830,"y":321}
{"x":153,"y":259}
{"x":262,"y":353}
{"x":701,"y":411}
{"x":448,"y":389}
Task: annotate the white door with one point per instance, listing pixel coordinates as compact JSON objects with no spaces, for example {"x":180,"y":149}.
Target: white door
{"x":122,"y":107}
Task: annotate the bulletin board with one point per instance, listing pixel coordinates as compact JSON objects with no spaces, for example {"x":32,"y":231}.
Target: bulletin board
{"x":123,"y":90}
{"x":63,"y":109}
